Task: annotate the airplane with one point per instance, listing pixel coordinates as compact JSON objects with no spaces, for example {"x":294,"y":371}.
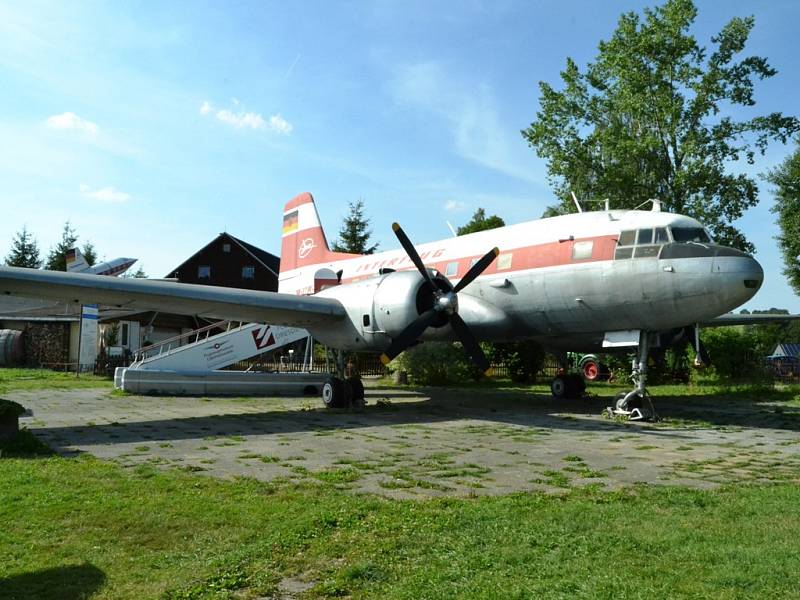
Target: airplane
{"x":76,"y":263}
{"x":582,"y":282}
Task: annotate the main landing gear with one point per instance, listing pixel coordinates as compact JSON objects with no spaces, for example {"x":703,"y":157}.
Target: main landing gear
{"x":636,"y":405}
{"x":342,"y":391}
{"x":567,"y":386}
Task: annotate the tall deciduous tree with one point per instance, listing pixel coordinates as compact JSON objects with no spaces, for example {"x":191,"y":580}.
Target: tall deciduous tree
{"x":24,"y":251}
{"x":480,"y":222}
{"x":647,"y":120}
{"x":56,"y":258}
{"x":355,"y":232}
{"x":786,"y":179}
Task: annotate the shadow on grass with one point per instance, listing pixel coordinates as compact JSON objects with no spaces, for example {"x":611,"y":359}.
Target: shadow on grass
{"x":24,"y":445}
{"x":72,"y":582}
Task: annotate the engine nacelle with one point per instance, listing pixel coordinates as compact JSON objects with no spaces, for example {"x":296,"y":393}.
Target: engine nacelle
{"x":378,"y":309}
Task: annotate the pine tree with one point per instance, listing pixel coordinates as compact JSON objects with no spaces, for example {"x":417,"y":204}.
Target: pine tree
{"x":56,"y":258}
{"x":89,"y":253}
{"x":24,"y":251}
{"x":355,"y":233}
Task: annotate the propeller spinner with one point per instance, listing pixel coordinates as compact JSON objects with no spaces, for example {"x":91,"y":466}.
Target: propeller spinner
{"x":444,"y":309}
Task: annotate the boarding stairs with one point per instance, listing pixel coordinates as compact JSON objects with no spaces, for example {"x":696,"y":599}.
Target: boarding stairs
{"x":206,"y":350}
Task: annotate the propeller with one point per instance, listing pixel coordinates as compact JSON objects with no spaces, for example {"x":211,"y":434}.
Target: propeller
{"x":444,"y":309}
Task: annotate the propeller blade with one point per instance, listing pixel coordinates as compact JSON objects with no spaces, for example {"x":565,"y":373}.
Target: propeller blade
{"x":409,"y":335}
{"x":471,"y":345}
{"x":477,"y":269}
{"x":412,"y":254}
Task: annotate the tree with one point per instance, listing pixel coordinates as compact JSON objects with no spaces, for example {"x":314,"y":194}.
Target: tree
{"x":645,"y":120}
{"x":355,"y":233}
{"x":786,"y":179}
{"x":89,"y":253}
{"x":480,"y":222}
{"x":24,"y":251}
{"x":56,"y":258}
{"x":137,"y":274}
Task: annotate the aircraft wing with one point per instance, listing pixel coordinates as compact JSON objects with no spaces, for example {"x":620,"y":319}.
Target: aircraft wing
{"x":142,"y":294}
{"x":760,"y":319}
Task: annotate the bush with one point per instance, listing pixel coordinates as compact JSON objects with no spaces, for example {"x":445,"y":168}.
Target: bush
{"x":436,"y":363}
{"x":735,"y":353}
{"x":524,"y":359}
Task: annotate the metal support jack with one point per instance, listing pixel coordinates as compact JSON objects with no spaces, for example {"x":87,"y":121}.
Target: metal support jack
{"x":637,"y":405}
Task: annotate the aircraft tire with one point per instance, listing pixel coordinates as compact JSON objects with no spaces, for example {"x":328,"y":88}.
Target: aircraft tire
{"x":574,"y":386}
{"x":558,"y":387}
{"x":358,"y":387}
{"x":333,"y":393}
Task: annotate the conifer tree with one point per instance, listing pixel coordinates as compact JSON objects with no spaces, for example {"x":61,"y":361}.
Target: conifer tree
{"x":89,"y":253}
{"x":24,"y":251}
{"x":355,"y":233}
{"x":56,"y":258}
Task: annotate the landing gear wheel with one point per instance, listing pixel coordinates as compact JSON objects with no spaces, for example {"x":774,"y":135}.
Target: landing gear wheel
{"x":637,"y":408}
{"x":575,"y":386}
{"x":558,"y":386}
{"x":333,"y":393}
{"x":357,"y":389}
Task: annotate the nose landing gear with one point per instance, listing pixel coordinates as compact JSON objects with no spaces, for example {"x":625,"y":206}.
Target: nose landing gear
{"x":636,"y":405}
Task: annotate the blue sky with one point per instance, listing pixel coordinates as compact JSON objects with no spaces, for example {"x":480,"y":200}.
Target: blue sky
{"x":153,"y":126}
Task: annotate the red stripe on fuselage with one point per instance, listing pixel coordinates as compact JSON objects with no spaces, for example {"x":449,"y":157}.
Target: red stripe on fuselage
{"x":540,"y":256}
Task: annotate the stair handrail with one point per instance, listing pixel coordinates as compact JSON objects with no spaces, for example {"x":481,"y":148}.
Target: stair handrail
{"x":143,"y":352}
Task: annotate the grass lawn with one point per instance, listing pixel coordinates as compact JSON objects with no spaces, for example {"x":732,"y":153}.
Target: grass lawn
{"x":79,"y":527}
{"x":13,"y":380}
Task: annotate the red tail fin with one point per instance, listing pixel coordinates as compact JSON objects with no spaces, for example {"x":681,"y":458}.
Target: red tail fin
{"x":304,"y":241}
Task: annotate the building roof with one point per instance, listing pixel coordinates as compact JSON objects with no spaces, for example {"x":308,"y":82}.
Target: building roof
{"x":786,"y":350}
{"x":269,"y":261}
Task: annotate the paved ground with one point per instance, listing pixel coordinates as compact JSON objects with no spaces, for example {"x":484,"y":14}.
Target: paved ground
{"x":406,"y":444}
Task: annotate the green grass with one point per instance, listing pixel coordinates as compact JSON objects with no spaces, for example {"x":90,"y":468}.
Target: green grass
{"x":81,"y":527}
{"x":13,"y":380}
{"x":78,"y":526}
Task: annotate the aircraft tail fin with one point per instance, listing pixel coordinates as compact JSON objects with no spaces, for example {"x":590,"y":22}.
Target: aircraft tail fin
{"x":303,"y":240}
{"x":75,"y":261}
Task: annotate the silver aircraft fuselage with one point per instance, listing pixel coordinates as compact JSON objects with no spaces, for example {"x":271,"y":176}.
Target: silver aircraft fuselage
{"x":565,"y":281}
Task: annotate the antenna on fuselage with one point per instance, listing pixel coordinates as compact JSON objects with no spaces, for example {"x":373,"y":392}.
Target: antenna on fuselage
{"x":453,"y":231}
{"x":577,"y":204}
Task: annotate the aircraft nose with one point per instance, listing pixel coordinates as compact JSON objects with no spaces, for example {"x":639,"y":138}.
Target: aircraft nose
{"x":742,"y":273}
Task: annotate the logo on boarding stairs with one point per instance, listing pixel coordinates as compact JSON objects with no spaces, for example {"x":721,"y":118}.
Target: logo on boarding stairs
{"x":263,"y":338}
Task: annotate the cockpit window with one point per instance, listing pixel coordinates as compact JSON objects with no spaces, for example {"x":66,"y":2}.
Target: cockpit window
{"x":627,"y":238}
{"x":645,"y":236}
{"x":690,"y":234}
{"x":662,"y":237}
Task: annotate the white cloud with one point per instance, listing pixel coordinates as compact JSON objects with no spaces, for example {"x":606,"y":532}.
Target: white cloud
{"x":454,"y":206}
{"x":242,"y":119}
{"x":70,"y":120}
{"x":280,"y":125}
{"x":106,"y":194}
